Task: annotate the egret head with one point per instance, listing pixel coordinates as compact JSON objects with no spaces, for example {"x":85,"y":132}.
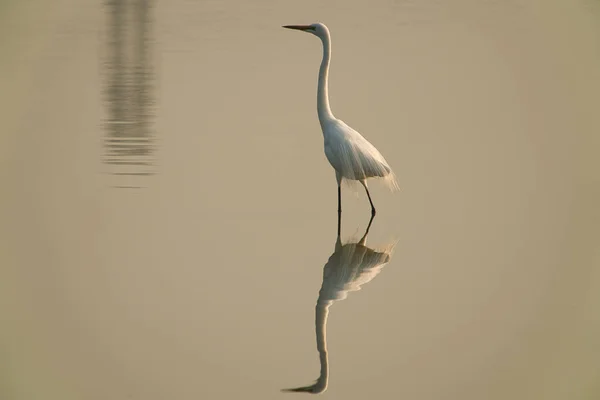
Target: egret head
{"x":318,"y":29}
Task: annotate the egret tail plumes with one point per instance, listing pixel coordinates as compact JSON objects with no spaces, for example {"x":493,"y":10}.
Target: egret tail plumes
{"x":348,"y":152}
{"x":354,"y":158}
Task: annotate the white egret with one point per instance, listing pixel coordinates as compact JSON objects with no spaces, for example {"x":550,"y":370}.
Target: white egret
{"x":351,"y":266}
{"x":348,"y":152}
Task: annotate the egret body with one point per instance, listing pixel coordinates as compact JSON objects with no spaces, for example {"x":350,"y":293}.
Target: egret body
{"x":348,"y":152}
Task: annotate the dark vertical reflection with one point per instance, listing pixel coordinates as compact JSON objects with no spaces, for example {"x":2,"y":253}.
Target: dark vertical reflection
{"x":351,"y":266}
{"x":129,"y":138}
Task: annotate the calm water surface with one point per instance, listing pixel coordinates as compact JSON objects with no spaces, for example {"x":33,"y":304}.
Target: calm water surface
{"x":169,"y":217}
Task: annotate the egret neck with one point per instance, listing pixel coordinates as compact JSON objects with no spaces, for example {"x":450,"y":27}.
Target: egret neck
{"x":322,"y":91}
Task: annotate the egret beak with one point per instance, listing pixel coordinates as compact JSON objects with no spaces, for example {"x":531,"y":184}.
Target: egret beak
{"x":297,"y":27}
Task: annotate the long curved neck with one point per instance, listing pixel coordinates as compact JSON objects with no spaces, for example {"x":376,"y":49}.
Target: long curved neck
{"x":322,"y":91}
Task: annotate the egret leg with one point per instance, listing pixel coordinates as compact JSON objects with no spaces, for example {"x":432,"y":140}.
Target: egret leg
{"x":370,"y":201}
{"x":339,"y":228}
{"x":339,"y":198}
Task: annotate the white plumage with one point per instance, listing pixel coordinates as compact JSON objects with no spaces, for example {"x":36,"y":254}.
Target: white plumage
{"x":352,"y":156}
{"x":348,"y":152}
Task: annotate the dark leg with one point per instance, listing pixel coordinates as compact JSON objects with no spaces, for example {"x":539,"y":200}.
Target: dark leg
{"x":369,"y":226}
{"x":370,"y":201}
{"x":339,"y":210}
{"x":362,"y":241}
{"x":339,"y":198}
{"x":339,"y":224}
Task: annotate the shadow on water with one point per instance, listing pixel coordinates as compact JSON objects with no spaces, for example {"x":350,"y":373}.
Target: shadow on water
{"x":128,"y":77}
{"x":351,"y":266}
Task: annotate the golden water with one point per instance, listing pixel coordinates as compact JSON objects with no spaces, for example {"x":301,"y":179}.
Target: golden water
{"x":167,"y":209}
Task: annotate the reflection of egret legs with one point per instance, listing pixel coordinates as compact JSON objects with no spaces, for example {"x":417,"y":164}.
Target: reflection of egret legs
{"x":339,"y":229}
{"x":339,"y":224}
{"x":364,"y":238}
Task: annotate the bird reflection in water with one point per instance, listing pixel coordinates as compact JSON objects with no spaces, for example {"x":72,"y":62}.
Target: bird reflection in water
{"x":128,"y":88}
{"x":349,"y":267}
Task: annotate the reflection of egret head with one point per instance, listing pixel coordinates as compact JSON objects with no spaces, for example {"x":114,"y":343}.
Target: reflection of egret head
{"x":318,"y":387}
{"x":348,"y":268}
